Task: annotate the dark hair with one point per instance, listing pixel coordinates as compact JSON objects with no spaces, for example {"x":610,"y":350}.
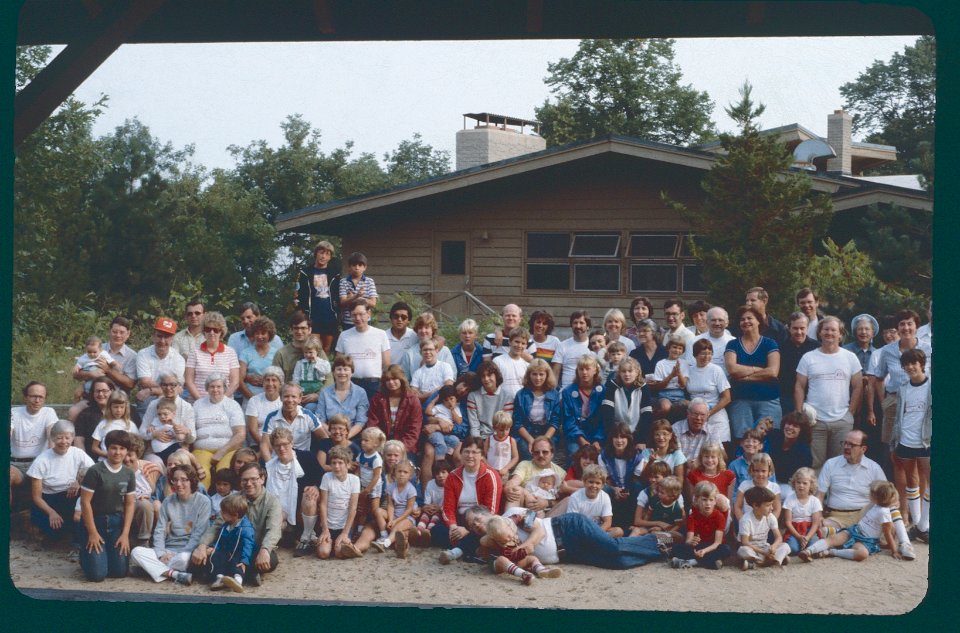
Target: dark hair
{"x":757,"y":495}
{"x":756,"y":314}
{"x":472,"y":441}
{"x":357,"y":258}
{"x":644,"y":301}
{"x":580,"y":314}
{"x":621,"y":430}
{"x":194,"y":302}
{"x":118,"y":438}
{"x":914,"y":355}
{"x":673,"y":301}
{"x":250,"y":305}
{"x":343,"y":361}
{"x":298,"y":317}
{"x":587,"y":450}
{"x":401,"y":305}
{"x":470,"y":379}
{"x":394,"y":371}
{"x":226,"y":475}
{"x":265,"y":324}
{"x":121,"y":320}
{"x":93,"y":384}
{"x":903,"y":315}
{"x":542,"y":315}
{"x":441,"y":464}
{"x":489,"y":367}
{"x":698,"y":306}
{"x":260,"y":469}
{"x":33,"y":383}
{"x":798,"y":419}
{"x":446,"y":391}
{"x":803,"y":292}
{"x":191,"y":474}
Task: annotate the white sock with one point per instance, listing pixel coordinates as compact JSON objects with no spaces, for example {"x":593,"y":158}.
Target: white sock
{"x":898,"y":526}
{"x":913,"y":503}
{"x":842,"y":553}
{"x":309,"y":522}
{"x":819,"y":546}
{"x":924,"y":523}
{"x":238,"y":578}
{"x":384,"y":534}
{"x":456,"y":552}
{"x":387,"y":542}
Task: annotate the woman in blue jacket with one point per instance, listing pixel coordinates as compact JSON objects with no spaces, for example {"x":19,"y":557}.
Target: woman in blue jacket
{"x":536,"y":407}
{"x":580,"y":402}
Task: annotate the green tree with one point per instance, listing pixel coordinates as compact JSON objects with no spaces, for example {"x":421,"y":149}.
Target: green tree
{"x":758,"y":222}
{"x":629,"y":87}
{"x":894,"y":103}
{"x":415,"y":160}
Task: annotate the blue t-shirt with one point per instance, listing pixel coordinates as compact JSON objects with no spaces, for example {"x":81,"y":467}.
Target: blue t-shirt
{"x":741,"y":390}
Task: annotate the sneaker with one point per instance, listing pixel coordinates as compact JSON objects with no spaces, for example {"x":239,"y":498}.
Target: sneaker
{"x":446,"y":556}
{"x":527,"y":578}
{"x":906,"y":550}
{"x":402,"y":546}
{"x":923,"y":537}
{"x":550,"y":572}
{"x":234,"y":582}
{"x":183,"y":578}
{"x":349,"y":550}
{"x":680,"y":563}
{"x":786,"y":559}
{"x":718,"y":564}
{"x":256,"y":580}
{"x":912,"y":532}
{"x":747,"y":564}
{"x":302,"y":549}
{"x":74,"y":555}
{"x":380,"y":545}
{"x":805,"y":556}
{"x":217,"y":584}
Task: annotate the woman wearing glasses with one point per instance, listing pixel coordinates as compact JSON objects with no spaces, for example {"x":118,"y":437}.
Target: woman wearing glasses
{"x":213,"y":356}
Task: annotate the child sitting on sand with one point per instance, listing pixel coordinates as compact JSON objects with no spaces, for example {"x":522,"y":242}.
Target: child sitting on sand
{"x":502,"y":538}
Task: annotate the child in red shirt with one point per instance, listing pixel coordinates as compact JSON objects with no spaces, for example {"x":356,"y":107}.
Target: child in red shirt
{"x":704,"y":545}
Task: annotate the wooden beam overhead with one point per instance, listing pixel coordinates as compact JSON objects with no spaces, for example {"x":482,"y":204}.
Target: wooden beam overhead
{"x":110,"y":28}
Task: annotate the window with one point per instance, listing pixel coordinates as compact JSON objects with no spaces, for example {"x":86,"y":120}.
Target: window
{"x":453,"y":257}
{"x":653,"y":278}
{"x":548,"y":276}
{"x":548,"y":245}
{"x":595,"y":245}
{"x":653,"y":245}
{"x":692,"y":281}
{"x":596,"y":277}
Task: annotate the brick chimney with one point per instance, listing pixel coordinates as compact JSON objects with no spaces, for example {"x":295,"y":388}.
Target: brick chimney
{"x":495,"y":137}
{"x":840,"y":138}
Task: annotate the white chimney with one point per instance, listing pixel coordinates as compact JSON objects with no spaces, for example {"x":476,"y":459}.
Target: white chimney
{"x":491,"y":139}
{"x":840,"y":138}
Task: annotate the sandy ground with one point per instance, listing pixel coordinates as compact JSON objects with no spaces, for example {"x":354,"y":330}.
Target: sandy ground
{"x":881,"y":585}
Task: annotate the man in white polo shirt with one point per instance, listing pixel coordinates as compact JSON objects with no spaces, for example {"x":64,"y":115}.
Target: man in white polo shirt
{"x":844,"y":482}
{"x":367,"y":346}
{"x":28,"y":431}
{"x":157,"y":359}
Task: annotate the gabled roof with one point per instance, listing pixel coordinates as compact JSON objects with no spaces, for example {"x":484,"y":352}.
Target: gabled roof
{"x":682,"y":157}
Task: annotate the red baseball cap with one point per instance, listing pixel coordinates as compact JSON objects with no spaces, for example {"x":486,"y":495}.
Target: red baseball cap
{"x":164,"y":324}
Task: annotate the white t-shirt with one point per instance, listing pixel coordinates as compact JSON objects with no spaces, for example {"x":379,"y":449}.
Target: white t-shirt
{"x":847,"y":486}
{"x":757,"y":528}
{"x":366,"y":349}
{"x":914,"y":411}
{"x":772,"y":486}
{"x":708,"y":383}
{"x":149,"y":365}
{"x":512,"y":371}
{"x":28,"y":433}
{"x":468,"y":495}
{"x":58,"y":472}
{"x":338,"y":498}
{"x":433,"y":494}
{"x":215,"y":422}
{"x":282,"y":483}
{"x":828,"y":381}
{"x":568,"y":355}
{"x":546,"y":549}
{"x":259,"y":407}
{"x":802,"y":512}
{"x":665,"y":367}
{"x":430,"y":378}
{"x":399,"y":346}
{"x":871,"y":524}
{"x":593,"y":509}
{"x":105,"y":427}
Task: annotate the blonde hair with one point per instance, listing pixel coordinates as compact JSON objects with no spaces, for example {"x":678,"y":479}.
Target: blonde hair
{"x":235,"y":505}
{"x":711,"y":448}
{"x":406,"y":464}
{"x":705,"y":490}
{"x":394,"y":444}
{"x":630,"y":362}
{"x":119,"y":395}
{"x":594,"y":471}
{"x":805,"y":473}
{"x":338,"y":419}
{"x":590,"y":359}
{"x":502,"y":420}
{"x":313,"y":342}
{"x":281,"y":433}
{"x":616,"y":346}
{"x":499,"y":528}
{"x":671,"y":485}
{"x":762,"y":459}
{"x":166,"y":404}
{"x":374,"y":432}
{"x":538,"y":364}
{"x":884,"y":493}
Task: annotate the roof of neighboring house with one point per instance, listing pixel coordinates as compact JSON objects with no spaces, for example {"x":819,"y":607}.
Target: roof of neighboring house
{"x":683,"y":157}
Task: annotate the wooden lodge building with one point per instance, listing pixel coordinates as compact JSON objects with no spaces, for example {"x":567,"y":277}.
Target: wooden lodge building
{"x":576,"y":226}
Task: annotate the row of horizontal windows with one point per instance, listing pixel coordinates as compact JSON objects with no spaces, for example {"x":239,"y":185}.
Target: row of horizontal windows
{"x":598,"y":245}
{"x":607,"y":277}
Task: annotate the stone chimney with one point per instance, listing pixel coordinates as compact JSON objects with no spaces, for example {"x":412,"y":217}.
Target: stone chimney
{"x":495,"y":137}
{"x":840,"y":138}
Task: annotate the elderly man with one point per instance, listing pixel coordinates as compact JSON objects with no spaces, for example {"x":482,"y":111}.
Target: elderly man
{"x":717,"y":334}
{"x":189,"y":338}
{"x":844,"y":482}
{"x":569,"y":351}
{"x":28,"y":432}
{"x":496,"y":343}
{"x":240,"y":341}
{"x":797,"y":343}
{"x":829,"y":378}
{"x":287,"y":356}
{"x":527,"y":470}
{"x":758,"y":298}
{"x":809,"y":305}
{"x":266,"y":516}
{"x":367,"y":346}
{"x":302,"y":423}
{"x":692,"y":433}
{"x":157,"y":359}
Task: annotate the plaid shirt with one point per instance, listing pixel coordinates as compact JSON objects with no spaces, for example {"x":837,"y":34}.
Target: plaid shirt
{"x":690,"y":442}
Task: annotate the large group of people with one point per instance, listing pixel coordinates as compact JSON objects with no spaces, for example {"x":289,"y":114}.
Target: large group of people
{"x":746,"y":442}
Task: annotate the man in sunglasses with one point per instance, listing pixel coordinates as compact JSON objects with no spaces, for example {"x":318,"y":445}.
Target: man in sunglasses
{"x":189,"y":338}
{"x":400,"y":335}
{"x":526,"y":470}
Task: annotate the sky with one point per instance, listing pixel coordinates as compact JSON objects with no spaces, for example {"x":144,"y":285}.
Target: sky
{"x":380,"y":93}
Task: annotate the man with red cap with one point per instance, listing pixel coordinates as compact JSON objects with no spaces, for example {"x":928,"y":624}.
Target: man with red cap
{"x":159,"y":358}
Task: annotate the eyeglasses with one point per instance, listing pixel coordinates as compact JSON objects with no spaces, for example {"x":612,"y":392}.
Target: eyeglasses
{"x":848,"y":444}
{"x":169,"y":384}
{"x":160,"y":334}
{"x":670,"y":314}
{"x":207,"y":330}
{"x":192,"y":313}
{"x":249,"y":480}
{"x":547,"y":452}
{"x":400,"y":317}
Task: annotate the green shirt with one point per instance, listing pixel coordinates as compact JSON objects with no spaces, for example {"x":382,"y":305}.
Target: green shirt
{"x":108,"y":488}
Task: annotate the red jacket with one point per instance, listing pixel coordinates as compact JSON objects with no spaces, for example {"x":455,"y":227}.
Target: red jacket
{"x":489,"y":489}
{"x":406,"y":428}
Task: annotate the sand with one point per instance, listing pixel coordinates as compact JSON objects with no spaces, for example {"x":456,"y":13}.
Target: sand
{"x":881,"y":585}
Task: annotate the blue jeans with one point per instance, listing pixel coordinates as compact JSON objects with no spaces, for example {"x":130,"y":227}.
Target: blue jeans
{"x":64,"y":506}
{"x":744,"y":415}
{"x":109,"y":562}
{"x":795,"y":544}
{"x":584,"y":542}
{"x":442,"y":442}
